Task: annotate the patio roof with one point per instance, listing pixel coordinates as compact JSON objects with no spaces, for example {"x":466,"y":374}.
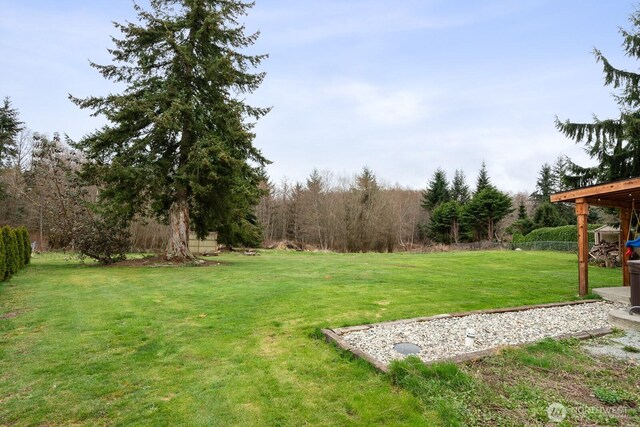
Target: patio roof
{"x":615,"y":194}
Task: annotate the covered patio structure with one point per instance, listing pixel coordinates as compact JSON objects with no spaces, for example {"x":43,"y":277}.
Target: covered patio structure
{"x":623,"y":195}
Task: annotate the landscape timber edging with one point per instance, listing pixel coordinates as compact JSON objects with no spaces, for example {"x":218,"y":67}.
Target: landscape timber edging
{"x":335,"y":335}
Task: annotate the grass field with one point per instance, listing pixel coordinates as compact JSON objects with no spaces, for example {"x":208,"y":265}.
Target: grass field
{"x":236,"y":343}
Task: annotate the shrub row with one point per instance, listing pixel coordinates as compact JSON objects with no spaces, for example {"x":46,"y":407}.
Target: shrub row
{"x":15,"y":251}
{"x":565,"y":233}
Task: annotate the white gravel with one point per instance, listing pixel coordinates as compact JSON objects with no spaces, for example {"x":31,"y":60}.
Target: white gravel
{"x":445,"y":337}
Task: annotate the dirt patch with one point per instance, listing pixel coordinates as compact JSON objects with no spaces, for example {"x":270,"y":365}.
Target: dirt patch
{"x":283,"y":245}
{"x":402,"y":265}
{"x":270,"y":347}
{"x":524,"y":386}
{"x":160,"y":261}
{"x":504,"y":382}
{"x":10,"y":315}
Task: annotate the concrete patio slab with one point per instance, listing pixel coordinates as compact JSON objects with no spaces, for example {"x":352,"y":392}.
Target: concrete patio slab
{"x":620,"y":294}
{"x":624,"y":320}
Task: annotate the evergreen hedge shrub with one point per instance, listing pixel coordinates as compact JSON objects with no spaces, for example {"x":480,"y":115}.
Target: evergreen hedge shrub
{"x":9,"y":252}
{"x":19,"y":248}
{"x":15,"y":251}
{"x":3,"y":258}
{"x":565,"y":233}
{"x":26,"y":245}
{"x":15,"y":255}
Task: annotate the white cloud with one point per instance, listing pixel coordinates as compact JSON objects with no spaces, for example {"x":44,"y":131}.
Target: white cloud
{"x":381,"y":105}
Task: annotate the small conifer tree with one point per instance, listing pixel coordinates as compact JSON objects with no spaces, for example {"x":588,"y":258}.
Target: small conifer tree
{"x":9,"y":252}
{"x":19,"y":248}
{"x":15,"y":262}
{"x":26,"y":245}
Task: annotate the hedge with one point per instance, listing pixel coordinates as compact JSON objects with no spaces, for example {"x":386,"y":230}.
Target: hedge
{"x":19,"y":248}
{"x":26,"y":245}
{"x":15,"y":251}
{"x":565,"y":233}
{"x":547,"y":246}
{"x":3,"y":259}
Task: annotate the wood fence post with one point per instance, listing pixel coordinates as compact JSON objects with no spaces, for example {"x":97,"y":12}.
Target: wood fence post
{"x":625,"y":219}
{"x":582,"y":211}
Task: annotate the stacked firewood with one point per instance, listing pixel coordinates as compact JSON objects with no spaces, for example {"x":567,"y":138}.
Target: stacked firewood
{"x":605,"y":254}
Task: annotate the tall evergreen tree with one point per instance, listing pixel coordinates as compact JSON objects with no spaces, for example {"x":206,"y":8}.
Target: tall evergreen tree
{"x":459,"y":188}
{"x":445,"y":222}
{"x":523,"y":224}
{"x":362,"y":222}
{"x":10,"y":127}
{"x":522,"y":211}
{"x":486,"y":209}
{"x":437,"y":191}
{"x":559,"y":172}
{"x":483,"y":180}
{"x":547,"y":215}
{"x":180,"y":140}
{"x":544,"y":184}
{"x":614,"y":143}
{"x":367,"y":186}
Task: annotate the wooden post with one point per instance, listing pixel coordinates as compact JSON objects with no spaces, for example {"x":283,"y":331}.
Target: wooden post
{"x":582,"y":211}
{"x":625,"y":218}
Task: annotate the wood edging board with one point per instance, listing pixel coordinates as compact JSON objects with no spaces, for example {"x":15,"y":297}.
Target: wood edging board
{"x":335,"y":335}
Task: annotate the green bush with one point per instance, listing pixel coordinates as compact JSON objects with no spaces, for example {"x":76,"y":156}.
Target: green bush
{"x":565,"y":233}
{"x":10,"y":247}
{"x":15,"y":251}
{"x":19,"y":248}
{"x":15,"y":265}
{"x":26,"y":245}
{"x":3,"y":259}
{"x":103,"y":238}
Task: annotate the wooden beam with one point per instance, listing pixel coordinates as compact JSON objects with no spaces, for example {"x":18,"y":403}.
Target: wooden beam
{"x":594,"y":201}
{"x":625,"y":221}
{"x":621,"y":187}
{"x":582,"y":211}
{"x":609,"y":203}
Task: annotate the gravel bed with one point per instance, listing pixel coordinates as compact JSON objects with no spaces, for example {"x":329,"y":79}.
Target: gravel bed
{"x":445,"y":338}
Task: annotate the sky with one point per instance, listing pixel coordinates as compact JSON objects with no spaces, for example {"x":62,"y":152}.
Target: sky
{"x":402,"y":87}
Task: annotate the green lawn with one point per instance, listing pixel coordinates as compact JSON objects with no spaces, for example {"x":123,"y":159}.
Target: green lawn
{"x":236,"y":344}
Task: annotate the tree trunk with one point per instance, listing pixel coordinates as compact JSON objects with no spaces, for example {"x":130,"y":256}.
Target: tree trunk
{"x":490,"y":227}
{"x":178,"y":244}
{"x":455,"y":231}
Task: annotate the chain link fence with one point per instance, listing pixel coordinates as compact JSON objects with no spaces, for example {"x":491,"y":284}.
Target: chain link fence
{"x":548,"y":246}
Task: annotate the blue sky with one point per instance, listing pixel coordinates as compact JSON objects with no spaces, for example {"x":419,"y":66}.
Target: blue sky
{"x":402,"y":86}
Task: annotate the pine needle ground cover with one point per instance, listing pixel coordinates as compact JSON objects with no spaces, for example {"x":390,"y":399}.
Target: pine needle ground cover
{"x":237,"y":343}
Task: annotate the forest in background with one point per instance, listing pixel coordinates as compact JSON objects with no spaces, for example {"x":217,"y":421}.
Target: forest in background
{"x":39,"y":189}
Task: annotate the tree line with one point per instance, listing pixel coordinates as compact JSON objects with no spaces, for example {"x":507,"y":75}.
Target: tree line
{"x":359,"y":213}
{"x":356,"y":214}
{"x":41,"y":187}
